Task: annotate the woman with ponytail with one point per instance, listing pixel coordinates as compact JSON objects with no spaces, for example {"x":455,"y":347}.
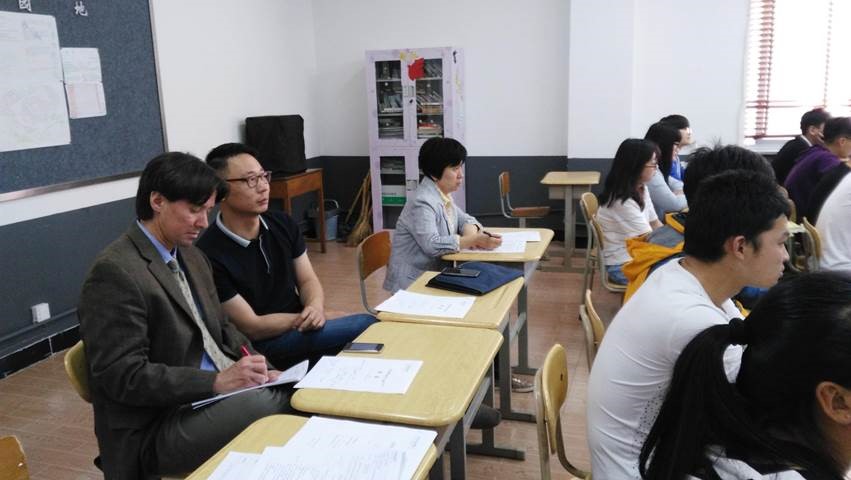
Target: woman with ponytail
{"x":788,"y":416}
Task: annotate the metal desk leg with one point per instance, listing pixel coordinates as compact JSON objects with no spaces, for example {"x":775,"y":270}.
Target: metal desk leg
{"x":457,"y":453}
{"x":436,"y":470}
{"x":505,"y":380}
{"x":523,"y":367}
{"x":487,"y":446}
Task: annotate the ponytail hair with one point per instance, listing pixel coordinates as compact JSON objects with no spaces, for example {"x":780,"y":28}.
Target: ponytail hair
{"x":797,"y":336}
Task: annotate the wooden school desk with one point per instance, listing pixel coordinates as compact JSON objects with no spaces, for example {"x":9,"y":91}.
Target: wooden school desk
{"x":276,"y":430}
{"x":569,"y":186}
{"x":455,"y":378}
{"x":526,"y":261}
{"x":490,"y":310}
{"x":285,"y":188}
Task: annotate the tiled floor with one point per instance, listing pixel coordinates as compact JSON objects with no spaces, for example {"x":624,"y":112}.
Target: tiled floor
{"x":56,"y":426}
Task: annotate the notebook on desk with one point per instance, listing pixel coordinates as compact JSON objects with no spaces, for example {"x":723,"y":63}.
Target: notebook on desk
{"x":490,"y":277}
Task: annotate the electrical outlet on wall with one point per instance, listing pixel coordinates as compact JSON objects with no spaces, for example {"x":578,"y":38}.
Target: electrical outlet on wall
{"x":40,"y":312}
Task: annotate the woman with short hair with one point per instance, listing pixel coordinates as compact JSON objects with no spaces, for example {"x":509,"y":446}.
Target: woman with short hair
{"x":431,"y":224}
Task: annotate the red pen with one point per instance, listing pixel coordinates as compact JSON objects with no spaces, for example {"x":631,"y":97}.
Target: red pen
{"x":245,"y":352}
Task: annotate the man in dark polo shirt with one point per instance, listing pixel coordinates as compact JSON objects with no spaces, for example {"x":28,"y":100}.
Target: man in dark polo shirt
{"x":264,"y":278}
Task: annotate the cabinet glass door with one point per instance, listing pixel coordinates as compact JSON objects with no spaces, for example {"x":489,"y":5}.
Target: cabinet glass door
{"x":393,"y":188}
{"x":388,"y":89}
{"x":429,"y":90}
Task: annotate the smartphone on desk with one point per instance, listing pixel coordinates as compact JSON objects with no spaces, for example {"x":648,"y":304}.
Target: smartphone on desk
{"x":460,"y":272}
{"x":362,"y":347}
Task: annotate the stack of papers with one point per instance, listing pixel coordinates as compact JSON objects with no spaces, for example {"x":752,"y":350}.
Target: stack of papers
{"x":293,"y":374}
{"x":512,"y":242}
{"x":361,"y":451}
{"x":375,"y":375}
{"x":408,"y":303}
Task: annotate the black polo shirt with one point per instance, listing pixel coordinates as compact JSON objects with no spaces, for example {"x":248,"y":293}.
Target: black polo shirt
{"x":261,"y":270}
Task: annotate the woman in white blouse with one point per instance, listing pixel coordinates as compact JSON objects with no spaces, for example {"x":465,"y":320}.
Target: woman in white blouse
{"x":626,"y":209}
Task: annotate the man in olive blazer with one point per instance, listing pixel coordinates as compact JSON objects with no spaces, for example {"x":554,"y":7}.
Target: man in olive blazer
{"x":146,"y":357}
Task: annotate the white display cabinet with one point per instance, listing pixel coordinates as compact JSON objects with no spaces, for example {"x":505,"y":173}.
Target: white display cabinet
{"x":413,"y":95}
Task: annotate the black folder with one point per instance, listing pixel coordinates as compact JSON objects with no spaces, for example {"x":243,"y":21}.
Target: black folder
{"x":490,"y":277}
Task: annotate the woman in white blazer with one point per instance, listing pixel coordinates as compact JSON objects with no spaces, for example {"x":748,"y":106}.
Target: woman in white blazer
{"x":431,"y":224}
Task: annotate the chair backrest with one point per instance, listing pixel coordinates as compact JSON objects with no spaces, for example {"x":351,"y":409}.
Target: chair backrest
{"x":793,"y":211}
{"x":373,"y":253}
{"x":593,"y":326}
{"x":816,"y":237}
{"x":589,"y":204}
{"x":77,"y":370}
{"x":504,"y":191}
{"x":13,"y":462}
{"x":551,"y":384}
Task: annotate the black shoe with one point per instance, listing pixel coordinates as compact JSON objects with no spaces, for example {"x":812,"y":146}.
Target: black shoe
{"x":486,"y":417}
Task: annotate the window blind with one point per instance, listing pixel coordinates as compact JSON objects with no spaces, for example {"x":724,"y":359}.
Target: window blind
{"x":798,"y":59}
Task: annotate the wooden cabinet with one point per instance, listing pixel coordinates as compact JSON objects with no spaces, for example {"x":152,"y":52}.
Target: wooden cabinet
{"x":413,"y":95}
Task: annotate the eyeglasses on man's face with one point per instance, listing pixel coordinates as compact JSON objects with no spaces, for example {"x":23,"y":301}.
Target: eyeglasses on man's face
{"x":252,"y":180}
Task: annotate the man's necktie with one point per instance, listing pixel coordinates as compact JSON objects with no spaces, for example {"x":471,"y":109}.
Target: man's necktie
{"x":218,"y":357}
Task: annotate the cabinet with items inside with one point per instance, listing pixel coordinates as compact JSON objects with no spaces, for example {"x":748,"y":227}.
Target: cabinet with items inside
{"x":413,"y":95}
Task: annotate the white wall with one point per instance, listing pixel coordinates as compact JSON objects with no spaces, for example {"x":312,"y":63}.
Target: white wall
{"x":654,"y":57}
{"x":628,"y":63}
{"x":221,"y":61}
{"x":600,"y":76}
{"x":516,"y":67}
{"x":693,"y":66}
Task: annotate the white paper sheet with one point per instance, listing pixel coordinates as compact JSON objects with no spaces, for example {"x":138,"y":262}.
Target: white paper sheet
{"x":85,"y":100}
{"x":509,"y":245}
{"x":376,"y":375}
{"x":292,"y":374}
{"x":408,"y":303}
{"x":525,"y":235}
{"x":235,"y":466}
{"x":83,"y":82}
{"x":32,"y":102}
{"x":361,"y":451}
{"x":81,"y":65}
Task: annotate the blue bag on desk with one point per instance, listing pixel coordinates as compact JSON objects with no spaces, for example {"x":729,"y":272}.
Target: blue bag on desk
{"x":490,"y":277}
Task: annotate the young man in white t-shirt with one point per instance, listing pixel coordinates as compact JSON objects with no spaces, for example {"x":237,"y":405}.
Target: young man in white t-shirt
{"x":735,"y":236}
{"x":835,"y":229}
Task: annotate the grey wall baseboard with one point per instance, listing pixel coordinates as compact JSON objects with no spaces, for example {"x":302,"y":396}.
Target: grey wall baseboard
{"x":46,"y":259}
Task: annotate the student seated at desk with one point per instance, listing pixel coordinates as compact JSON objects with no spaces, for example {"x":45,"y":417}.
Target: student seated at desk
{"x":264,"y":278}
{"x":666,"y":243}
{"x":665,"y":191}
{"x":626,"y":209}
{"x":431,"y":225}
{"x":681,"y":123}
{"x":735,"y":236}
{"x":788,"y":414}
{"x":157,"y":339}
{"x":812,"y":133}
{"x":817,"y":160}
